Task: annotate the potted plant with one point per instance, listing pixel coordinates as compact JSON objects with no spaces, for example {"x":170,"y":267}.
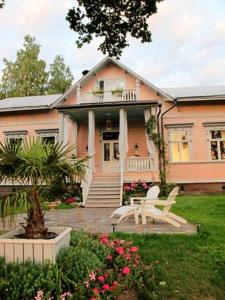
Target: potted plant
{"x":35,"y":165}
{"x":118,"y":92}
{"x":98,"y":92}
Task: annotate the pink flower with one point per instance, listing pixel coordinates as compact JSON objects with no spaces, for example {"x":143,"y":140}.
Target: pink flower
{"x":93,"y":298}
{"x":101,"y":278}
{"x":134,"y":249}
{"x":109,"y":257}
{"x":104,"y":238}
{"x":95,"y":290}
{"x":125,"y":270}
{"x":126,"y":188}
{"x":127,"y":256}
{"x":105,"y":287}
{"x":120,"y":250}
{"x":87,"y":284}
{"x":92,"y":276}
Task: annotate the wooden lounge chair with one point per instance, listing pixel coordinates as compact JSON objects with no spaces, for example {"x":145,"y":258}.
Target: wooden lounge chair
{"x":128,"y":210}
{"x":148,"y":209}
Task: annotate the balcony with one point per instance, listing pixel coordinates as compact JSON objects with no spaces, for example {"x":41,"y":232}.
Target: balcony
{"x":108,"y":96}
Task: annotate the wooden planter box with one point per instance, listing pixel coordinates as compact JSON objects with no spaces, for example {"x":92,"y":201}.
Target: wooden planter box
{"x":20,"y":250}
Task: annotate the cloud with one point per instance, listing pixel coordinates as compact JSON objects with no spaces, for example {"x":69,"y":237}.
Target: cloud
{"x":188,"y":40}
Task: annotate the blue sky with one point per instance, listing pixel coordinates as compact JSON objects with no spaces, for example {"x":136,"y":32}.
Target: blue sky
{"x":188,"y":36}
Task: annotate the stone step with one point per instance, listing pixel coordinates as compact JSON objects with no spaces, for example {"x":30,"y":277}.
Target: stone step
{"x":99,"y":204}
{"x":105,"y":188}
{"x":103,"y":193}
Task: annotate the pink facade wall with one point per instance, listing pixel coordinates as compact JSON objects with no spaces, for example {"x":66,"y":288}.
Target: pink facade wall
{"x":28,"y":121}
{"x":200,"y":168}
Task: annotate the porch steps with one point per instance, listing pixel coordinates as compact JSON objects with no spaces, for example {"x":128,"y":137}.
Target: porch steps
{"x":104,"y":191}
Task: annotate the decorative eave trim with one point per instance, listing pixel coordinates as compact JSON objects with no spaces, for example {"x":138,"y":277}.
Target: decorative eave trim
{"x":42,"y":131}
{"x":179,"y":125}
{"x":15,"y":132}
{"x":213,"y":124}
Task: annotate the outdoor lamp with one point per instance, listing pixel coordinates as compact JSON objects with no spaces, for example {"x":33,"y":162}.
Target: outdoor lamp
{"x":136,"y":149}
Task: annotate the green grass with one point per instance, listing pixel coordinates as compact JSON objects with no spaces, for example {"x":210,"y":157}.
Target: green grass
{"x":188,"y":267}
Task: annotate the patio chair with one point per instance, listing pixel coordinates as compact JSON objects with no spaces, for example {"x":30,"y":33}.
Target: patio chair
{"x":128,"y":210}
{"x":155,"y":213}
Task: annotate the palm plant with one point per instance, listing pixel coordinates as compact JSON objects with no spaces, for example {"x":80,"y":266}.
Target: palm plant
{"x":35,"y":165}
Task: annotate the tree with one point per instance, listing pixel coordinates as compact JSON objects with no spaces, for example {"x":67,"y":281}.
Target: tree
{"x":38,"y":165}
{"x":26,"y":76}
{"x":113,"y":21}
{"x":60,"y":76}
{"x":2,"y":3}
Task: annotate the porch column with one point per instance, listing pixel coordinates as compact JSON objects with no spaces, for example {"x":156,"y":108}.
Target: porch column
{"x":61,"y":127}
{"x":123,"y":142}
{"x":152,"y":150}
{"x":74,"y":136}
{"x":91,"y":135}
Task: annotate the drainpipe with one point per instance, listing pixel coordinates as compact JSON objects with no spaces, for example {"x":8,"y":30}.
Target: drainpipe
{"x":162,"y":133}
{"x":158,"y":130}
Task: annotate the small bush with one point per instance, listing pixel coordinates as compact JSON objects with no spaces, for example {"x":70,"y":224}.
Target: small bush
{"x":75,"y":263}
{"x":22,"y":281}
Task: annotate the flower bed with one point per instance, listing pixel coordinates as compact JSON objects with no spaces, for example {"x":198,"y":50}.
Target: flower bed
{"x":134,"y":189}
{"x":93,"y":267}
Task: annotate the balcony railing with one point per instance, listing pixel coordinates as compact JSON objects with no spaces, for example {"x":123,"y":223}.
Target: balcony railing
{"x":139,"y":164}
{"x":108,"y":96}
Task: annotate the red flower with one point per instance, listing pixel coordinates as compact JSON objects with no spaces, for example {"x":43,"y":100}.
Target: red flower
{"x":105,"y":287}
{"x":127,"y":256}
{"x":70,"y":200}
{"x":104,"y":238}
{"x":125,"y":270}
{"x":95,"y":290}
{"x":101,"y":278}
{"x":120,"y":250}
{"x":93,"y":298}
{"x":133,"y":249}
{"x":109,"y":257}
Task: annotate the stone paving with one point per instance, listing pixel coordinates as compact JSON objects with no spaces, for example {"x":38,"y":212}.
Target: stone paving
{"x":98,"y":220}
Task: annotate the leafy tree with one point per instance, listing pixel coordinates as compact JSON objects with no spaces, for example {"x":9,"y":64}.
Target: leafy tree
{"x":112,"y":20}
{"x":60,"y":76}
{"x":36,"y":164}
{"x":26,"y":76}
{"x":2,"y":3}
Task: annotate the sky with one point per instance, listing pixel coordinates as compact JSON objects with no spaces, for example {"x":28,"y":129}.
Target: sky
{"x":187,"y":49}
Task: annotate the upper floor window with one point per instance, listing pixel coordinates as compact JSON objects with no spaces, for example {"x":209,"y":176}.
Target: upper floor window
{"x":111,"y":84}
{"x":217,"y":144}
{"x":179,"y":141}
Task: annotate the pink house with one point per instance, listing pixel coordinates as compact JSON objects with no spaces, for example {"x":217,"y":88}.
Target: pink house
{"x":104,"y":114}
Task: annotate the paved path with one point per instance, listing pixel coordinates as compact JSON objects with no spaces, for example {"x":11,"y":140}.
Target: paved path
{"x":98,"y":220}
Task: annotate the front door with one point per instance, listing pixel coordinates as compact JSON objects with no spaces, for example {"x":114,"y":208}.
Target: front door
{"x":111,"y":158}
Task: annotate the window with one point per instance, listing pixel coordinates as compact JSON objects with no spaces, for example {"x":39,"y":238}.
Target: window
{"x":217,"y":144}
{"x":15,"y":137}
{"x":179,"y":141}
{"x":110,"y":84}
{"x":48,"y":135}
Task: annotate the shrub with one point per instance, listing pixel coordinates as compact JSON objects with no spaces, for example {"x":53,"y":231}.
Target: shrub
{"x":22,"y":281}
{"x":75,"y":263}
{"x":87,"y":241}
{"x":133,"y":189}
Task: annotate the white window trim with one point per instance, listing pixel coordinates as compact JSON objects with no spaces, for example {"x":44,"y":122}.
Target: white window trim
{"x":21,"y":134}
{"x":209,"y":139}
{"x":42,"y":133}
{"x":97,"y":86}
{"x":170,"y":142}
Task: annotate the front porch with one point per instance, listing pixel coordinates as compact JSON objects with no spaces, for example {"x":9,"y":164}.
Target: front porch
{"x":113,"y":136}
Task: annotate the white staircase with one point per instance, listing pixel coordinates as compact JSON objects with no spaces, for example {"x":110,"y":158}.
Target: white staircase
{"x":104,"y":191}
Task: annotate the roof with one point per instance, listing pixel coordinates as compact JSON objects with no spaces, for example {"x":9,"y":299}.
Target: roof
{"x":28,"y":103}
{"x":195,"y":91}
{"x":100,"y":66}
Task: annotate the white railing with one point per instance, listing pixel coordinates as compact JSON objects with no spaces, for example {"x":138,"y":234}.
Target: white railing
{"x":139,"y":164}
{"x":108,"y":96}
{"x":86,"y":183}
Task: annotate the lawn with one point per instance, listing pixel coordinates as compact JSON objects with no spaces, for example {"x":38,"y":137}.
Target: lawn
{"x":187,"y":267}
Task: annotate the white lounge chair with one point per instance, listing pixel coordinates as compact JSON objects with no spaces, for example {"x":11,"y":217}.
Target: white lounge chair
{"x":148,"y":209}
{"x":128,"y":210}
